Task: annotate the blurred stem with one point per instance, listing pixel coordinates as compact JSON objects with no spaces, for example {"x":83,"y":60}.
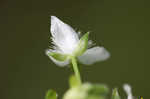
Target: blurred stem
{"x":76,"y":70}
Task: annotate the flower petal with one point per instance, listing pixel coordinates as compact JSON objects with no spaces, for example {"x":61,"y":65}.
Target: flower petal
{"x":58,"y":61}
{"x":63,"y":35}
{"x":93,"y":55}
{"x":128,"y":90}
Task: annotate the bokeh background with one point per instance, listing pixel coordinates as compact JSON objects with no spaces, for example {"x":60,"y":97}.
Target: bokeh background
{"x":122,"y":26}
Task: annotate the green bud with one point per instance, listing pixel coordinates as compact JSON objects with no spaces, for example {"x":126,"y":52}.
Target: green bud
{"x":51,"y":95}
{"x":73,"y":81}
{"x":87,"y":91}
{"x":115,"y":94}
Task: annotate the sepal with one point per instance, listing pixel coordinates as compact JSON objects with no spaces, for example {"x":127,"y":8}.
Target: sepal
{"x":57,"y":56}
{"x":82,"y":45}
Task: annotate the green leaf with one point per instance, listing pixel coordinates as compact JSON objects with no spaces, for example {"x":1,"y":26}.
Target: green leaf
{"x":115,"y":94}
{"x":58,"y":56}
{"x":82,"y":45}
{"x":51,"y":95}
{"x":73,"y":81}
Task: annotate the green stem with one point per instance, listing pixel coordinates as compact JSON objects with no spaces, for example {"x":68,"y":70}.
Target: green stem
{"x":76,"y":70}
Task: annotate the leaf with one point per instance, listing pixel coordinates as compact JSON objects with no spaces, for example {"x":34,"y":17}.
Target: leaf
{"x":115,"y":94}
{"x":82,"y":45}
{"x":51,"y":94}
{"x":73,"y":82}
{"x":57,"y":56}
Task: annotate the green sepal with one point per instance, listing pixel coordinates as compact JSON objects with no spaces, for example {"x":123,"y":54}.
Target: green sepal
{"x":51,"y":94}
{"x":73,"y":82}
{"x":58,"y":56}
{"x":82,"y":45}
{"x":115,"y":94}
{"x":99,"y":89}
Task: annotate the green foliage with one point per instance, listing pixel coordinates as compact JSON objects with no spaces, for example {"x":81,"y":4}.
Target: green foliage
{"x":115,"y":94}
{"x":51,"y":94}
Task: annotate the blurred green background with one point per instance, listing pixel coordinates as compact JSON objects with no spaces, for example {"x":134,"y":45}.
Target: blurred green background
{"x":122,"y":26}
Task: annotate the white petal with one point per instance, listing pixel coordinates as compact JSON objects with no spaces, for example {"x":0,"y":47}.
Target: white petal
{"x":93,"y":55}
{"x":59,"y":63}
{"x":127,"y":89}
{"x":63,"y":35}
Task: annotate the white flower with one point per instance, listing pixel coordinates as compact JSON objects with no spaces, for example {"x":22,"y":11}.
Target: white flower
{"x":67,"y":43}
{"x":128,"y":90}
